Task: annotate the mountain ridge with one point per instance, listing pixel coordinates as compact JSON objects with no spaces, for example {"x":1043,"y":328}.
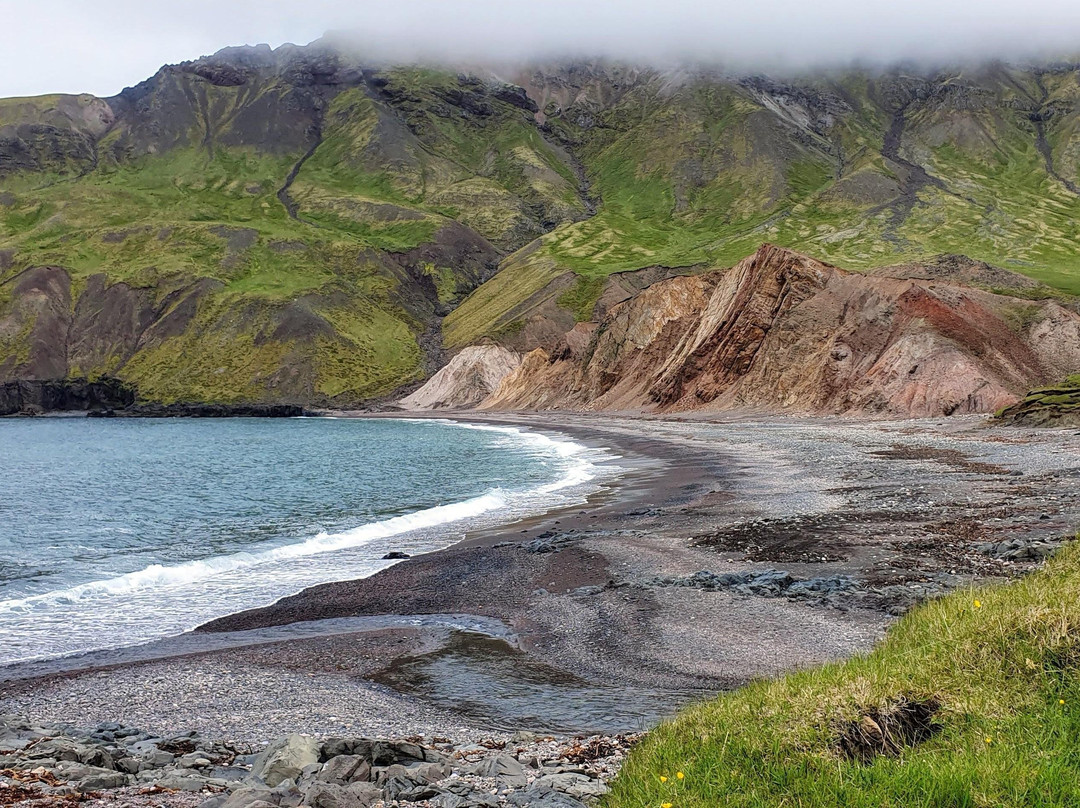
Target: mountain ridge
{"x":336,"y":229}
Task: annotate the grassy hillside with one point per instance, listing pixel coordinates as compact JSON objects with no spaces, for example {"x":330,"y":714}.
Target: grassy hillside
{"x":861,"y":171}
{"x":361,"y":203}
{"x":970,"y":700}
{"x":377,"y":200}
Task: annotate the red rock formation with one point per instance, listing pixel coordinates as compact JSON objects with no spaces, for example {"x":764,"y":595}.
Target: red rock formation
{"x":784,"y":332}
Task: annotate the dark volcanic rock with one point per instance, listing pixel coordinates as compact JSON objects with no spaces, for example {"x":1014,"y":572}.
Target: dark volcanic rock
{"x":68,"y":395}
{"x":204,"y":411}
{"x":765,"y":583}
{"x":515,"y":96}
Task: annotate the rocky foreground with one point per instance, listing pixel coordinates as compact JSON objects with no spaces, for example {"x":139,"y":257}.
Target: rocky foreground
{"x":112,"y":764}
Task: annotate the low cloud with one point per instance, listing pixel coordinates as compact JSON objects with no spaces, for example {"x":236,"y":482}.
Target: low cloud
{"x":100,"y":47}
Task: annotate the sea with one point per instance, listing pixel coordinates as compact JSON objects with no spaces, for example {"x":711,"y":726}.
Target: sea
{"x":119,"y":532}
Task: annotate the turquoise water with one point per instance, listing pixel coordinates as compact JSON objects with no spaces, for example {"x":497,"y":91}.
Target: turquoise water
{"x":116,"y":532}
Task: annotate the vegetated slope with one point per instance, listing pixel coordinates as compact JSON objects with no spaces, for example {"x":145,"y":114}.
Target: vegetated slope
{"x":294,"y":224}
{"x":695,"y":170}
{"x":1056,"y":405}
{"x":970,"y":699}
{"x":262,"y":225}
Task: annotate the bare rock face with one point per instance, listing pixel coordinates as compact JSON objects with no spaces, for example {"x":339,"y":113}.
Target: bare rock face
{"x":784,"y":332}
{"x":468,"y":379}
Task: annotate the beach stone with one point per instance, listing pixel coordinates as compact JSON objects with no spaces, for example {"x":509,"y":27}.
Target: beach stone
{"x":130,"y":765}
{"x":57,"y":749}
{"x":429,"y":772}
{"x":285,"y":759}
{"x":103,"y":780}
{"x":549,"y":799}
{"x":331,"y":795}
{"x":344,"y":769}
{"x":181,"y":783}
{"x":193,"y":760}
{"x":156,"y":758}
{"x":578,"y":786}
{"x":504,"y":768}
{"x":250,"y":797}
{"x":395,"y":787}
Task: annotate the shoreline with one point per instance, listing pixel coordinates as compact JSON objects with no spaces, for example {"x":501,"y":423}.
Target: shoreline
{"x":572,"y":474}
{"x":609,"y":601}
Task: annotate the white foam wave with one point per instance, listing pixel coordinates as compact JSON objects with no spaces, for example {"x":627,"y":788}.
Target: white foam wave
{"x":158,"y":576}
{"x":577,"y":470}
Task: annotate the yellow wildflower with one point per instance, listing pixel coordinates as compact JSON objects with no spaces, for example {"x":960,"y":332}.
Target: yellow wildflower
{"x":665,"y":805}
{"x":679,"y":775}
{"x":663,"y":779}
{"x":1061,"y":701}
{"x":989,"y":740}
{"x":978,"y":604}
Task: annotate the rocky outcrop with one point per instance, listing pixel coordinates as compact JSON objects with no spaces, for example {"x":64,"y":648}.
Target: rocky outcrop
{"x":113,"y":398}
{"x":469,"y":378}
{"x":784,"y":332}
{"x":29,"y":397}
{"x":1055,"y":406}
{"x":182,"y":410}
{"x":57,"y":764}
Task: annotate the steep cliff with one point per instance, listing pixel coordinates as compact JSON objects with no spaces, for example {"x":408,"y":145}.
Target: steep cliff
{"x":785,"y":332}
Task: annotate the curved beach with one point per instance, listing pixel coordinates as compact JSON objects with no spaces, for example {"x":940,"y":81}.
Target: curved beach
{"x":729,"y":551}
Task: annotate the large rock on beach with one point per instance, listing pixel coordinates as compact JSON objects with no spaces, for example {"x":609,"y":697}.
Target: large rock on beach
{"x":285,"y":759}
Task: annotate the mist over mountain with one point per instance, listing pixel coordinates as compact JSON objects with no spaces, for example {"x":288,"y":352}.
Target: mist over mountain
{"x":75,"y":47}
{"x":315,"y":225}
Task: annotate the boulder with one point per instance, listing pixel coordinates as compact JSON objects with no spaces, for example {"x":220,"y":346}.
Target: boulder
{"x":504,"y":768}
{"x":578,"y":786}
{"x":331,"y":795}
{"x":176,"y":782}
{"x":102,"y":780}
{"x":250,"y":797}
{"x":344,"y":769}
{"x":58,"y":749}
{"x":284,"y":759}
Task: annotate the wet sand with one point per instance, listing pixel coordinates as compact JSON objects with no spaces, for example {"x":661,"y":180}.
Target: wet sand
{"x":595,"y":598}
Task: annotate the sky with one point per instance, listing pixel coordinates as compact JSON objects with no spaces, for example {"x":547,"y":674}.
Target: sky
{"x":102,"y":46}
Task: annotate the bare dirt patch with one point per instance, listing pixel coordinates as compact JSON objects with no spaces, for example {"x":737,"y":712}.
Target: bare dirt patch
{"x":890,"y":730}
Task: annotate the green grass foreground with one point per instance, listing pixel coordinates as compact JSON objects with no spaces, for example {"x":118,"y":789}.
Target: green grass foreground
{"x":1003,"y":661}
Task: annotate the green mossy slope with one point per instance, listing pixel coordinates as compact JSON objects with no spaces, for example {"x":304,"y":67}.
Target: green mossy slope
{"x":1000,"y":664}
{"x":378,"y":199}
